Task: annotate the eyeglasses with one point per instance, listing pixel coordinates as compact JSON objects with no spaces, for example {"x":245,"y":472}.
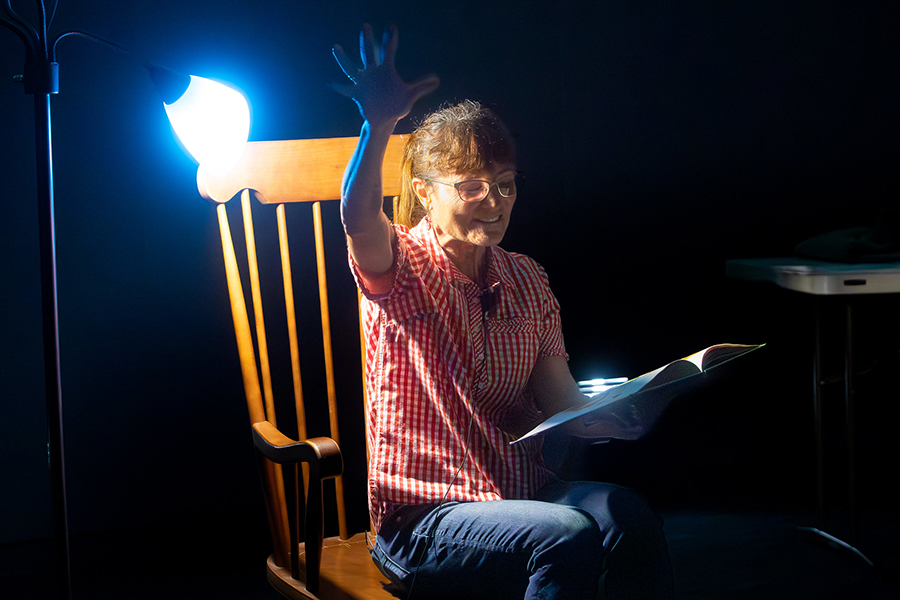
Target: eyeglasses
{"x":476,"y":190}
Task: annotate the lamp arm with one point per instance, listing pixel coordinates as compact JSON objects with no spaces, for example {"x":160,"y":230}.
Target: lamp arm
{"x":52,"y":12}
{"x":41,"y":74}
{"x":170,"y":84}
{"x":44,"y":26}
{"x":21,"y":28}
{"x":19,"y":21}
{"x":97,"y":40}
{"x":36,"y":42}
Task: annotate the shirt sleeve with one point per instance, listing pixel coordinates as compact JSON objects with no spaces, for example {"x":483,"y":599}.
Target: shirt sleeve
{"x":398,"y":267}
{"x":551,"y":343}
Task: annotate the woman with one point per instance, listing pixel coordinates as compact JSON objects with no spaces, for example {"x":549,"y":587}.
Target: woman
{"x":465,"y":353}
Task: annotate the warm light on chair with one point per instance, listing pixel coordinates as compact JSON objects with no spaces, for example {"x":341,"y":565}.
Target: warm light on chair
{"x":293,"y":171}
{"x":277,"y":173}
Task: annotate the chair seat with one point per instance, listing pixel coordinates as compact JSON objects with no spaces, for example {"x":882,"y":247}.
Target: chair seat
{"x":347,"y":573}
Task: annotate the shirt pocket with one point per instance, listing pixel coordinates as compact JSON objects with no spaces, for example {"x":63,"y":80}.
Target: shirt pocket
{"x":412,"y":304}
{"x":513,"y":326}
{"x":512,"y":350}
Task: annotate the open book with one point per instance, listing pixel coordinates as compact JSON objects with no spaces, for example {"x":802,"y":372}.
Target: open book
{"x":629,"y":410}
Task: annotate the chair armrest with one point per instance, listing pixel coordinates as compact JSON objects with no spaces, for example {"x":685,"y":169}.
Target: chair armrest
{"x":321,"y":453}
{"x":324,"y":459}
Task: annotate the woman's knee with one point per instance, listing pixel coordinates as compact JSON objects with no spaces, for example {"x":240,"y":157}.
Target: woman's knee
{"x":630,"y":510}
{"x":572,"y":528}
{"x":615,"y":508}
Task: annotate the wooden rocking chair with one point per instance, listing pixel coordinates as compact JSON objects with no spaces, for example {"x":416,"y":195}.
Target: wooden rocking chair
{"x":279,"y":173}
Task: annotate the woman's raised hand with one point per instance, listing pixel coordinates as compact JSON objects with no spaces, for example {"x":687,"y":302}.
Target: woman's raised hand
{"x":382,"y":97}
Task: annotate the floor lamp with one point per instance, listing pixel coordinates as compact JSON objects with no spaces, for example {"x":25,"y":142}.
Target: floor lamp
{"x":193,"y":105}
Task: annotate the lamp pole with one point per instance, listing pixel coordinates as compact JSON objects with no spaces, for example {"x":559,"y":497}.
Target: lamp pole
{"x":41,"y":80}
{"x":50,"y":315}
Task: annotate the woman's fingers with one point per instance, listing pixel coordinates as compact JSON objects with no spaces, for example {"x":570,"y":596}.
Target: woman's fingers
{"x":344,"y":62}
{"x":343,"y":88}
{"x":376,"y":88}
{"x":424,"y":85}
{"x":389,"y":45}
{"x":367,"y":49}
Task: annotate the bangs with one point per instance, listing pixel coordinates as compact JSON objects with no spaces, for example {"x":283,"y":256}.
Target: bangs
{"x":468,"y":143}
{"x":481,"y":149}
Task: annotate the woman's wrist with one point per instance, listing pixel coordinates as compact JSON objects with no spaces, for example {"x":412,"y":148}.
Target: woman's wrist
{"x":382,"y":129}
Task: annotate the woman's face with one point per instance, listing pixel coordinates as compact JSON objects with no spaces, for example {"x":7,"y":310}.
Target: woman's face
{"x":480,"y":223}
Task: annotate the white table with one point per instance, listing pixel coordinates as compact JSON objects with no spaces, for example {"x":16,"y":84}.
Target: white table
{"x":819,"y":278}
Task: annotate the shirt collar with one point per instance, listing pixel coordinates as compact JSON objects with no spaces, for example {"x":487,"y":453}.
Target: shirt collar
{"x":425,"y":232}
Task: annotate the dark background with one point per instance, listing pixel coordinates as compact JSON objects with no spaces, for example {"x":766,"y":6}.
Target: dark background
{"x":658,"y":140}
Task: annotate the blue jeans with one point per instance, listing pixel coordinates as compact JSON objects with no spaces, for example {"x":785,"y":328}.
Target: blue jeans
{"x":555,"y":546}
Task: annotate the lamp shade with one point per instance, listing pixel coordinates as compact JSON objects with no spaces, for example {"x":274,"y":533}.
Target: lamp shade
{"x":212,"y":121}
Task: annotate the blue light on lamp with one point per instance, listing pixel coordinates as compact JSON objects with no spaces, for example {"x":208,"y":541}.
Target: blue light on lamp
{"x":211,"y":119}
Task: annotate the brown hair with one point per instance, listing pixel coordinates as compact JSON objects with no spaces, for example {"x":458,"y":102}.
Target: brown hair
{"x":463,"y":138}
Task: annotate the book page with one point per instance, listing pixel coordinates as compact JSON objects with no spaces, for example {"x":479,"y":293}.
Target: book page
{"x":645,"y":396}
{"x":602,"y":399}
{"x":722,"y":353}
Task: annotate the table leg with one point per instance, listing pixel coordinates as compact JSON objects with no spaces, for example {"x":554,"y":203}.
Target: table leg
{"x":850,"y":410}
{"x":818,"y":412}
{"x":849,"y":397}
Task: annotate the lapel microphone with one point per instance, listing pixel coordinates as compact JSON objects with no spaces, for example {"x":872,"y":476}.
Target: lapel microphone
{"x":488,"y":298}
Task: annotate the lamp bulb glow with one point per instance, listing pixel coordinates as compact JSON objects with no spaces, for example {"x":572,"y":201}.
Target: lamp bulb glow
{"x":212,"y":121}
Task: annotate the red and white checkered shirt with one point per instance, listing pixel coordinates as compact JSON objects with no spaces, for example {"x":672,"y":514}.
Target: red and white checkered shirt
{"x":447,"y":369}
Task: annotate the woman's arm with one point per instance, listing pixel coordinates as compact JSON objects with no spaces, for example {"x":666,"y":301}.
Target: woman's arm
{"x":555,"y":390}
{"x":383,"y":99}
{"x":369,"y":232}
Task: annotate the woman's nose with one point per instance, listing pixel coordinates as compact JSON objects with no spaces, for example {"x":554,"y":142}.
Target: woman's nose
{"x":493,"y":197}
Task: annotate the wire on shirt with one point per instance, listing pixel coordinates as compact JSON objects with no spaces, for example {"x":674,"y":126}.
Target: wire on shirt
{"x":488,"y":299}
{"x":429,"y":537}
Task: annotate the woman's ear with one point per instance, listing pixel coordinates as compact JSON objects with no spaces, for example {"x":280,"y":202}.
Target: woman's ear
{"x":422,"y":190}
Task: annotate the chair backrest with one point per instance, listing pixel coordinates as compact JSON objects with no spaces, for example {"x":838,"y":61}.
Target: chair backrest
{"x":276,"y":174}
